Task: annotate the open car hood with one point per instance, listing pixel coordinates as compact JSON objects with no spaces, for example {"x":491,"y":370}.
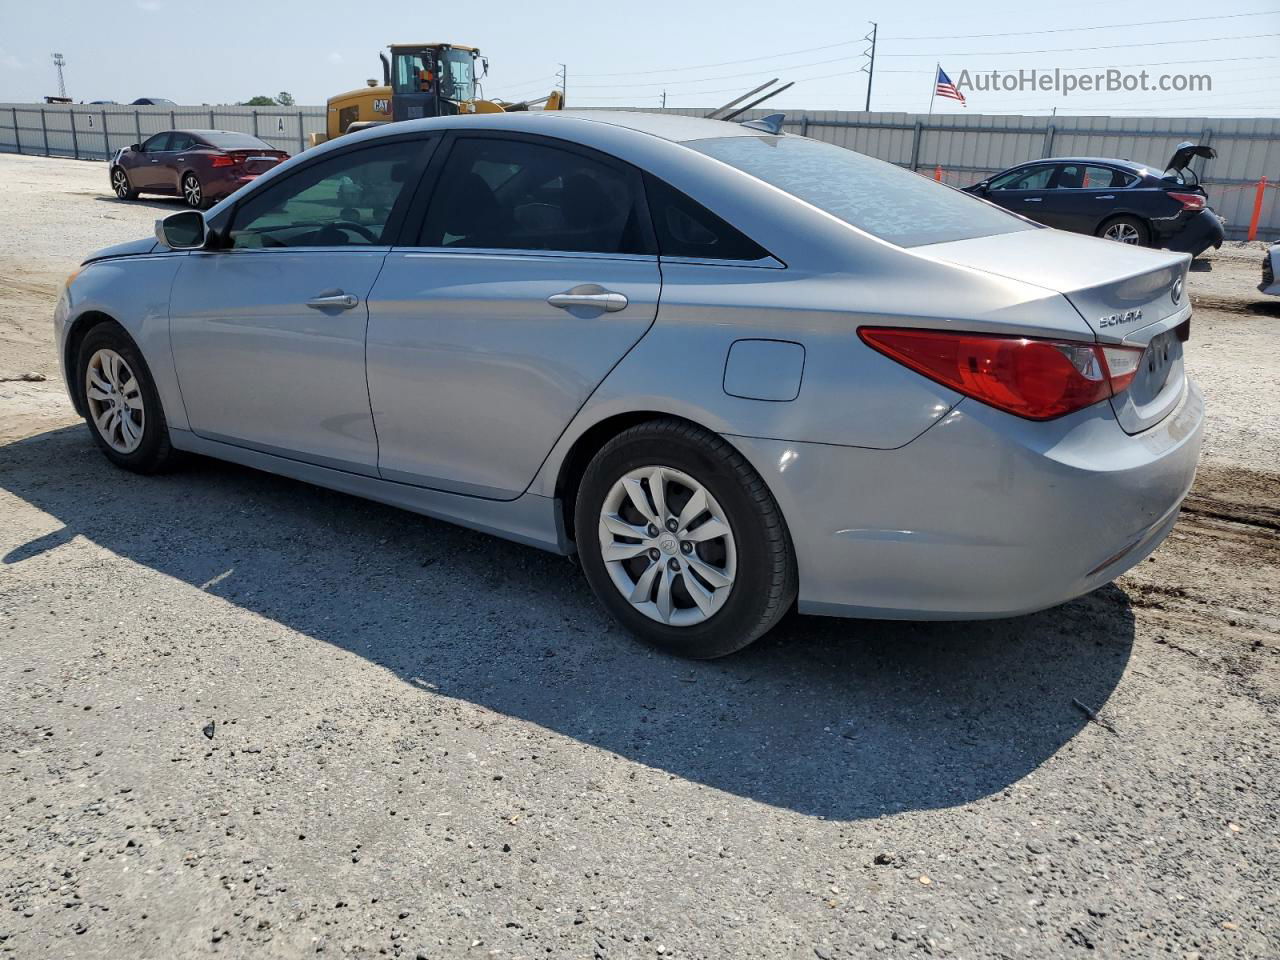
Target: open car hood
{"x":1184,"y":152}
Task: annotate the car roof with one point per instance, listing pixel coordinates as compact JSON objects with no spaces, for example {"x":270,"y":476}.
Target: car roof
{"x":671,"y":127}
{"x":1109,"y":161}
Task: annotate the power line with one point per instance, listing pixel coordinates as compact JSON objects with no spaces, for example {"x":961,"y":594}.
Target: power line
{"x":1108,"y":46}
{"x":847,"y":43}
{"x":1149,"y":63}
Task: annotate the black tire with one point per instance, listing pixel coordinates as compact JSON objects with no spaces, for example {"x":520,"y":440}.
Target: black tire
{"x":154,"y":452}
{"x":1126,"y":224}
{"x":121,"y":186}
{"x":764,"y":586}
{"x":192,"y":191}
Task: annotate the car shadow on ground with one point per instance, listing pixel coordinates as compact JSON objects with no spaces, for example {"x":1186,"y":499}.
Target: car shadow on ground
{"x":835,"y":718}
{"x":164,"y":204}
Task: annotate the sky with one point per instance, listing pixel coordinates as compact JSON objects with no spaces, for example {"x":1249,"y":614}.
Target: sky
{"x":700,"y":52}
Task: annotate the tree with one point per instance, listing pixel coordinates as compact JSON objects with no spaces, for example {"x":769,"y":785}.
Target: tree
{"x":284,"y":98}
{"x":259,"y":101}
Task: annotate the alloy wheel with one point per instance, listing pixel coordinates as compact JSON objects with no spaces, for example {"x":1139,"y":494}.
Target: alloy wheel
{"x":667,"y":545}
{"x":191,"y":191}
{"x":114,"y":396}
{"x":120,"y":183}
{"x":1122,"y":233}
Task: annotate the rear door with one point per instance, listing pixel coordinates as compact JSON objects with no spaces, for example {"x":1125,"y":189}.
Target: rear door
{"x":533,"y":273}
{"x":1023,"y":190}
{"x":176,"y":159}
{"x":1083,"y":195}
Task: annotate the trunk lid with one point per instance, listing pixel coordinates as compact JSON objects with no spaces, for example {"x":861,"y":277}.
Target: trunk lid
{"x":1127,"y":295}
{"x":1184,"y":152}
{"x":257,"y":161}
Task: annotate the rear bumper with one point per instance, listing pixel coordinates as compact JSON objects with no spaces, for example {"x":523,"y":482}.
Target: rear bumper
{"x":1198,"y":234}
{"x":223,"y":186}
{"x":985,"y":515}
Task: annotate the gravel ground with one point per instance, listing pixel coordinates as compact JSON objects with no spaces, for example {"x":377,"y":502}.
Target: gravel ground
{"x":248,"y":717}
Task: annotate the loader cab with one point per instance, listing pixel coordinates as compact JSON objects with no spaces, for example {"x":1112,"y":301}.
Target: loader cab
{"x":433,"y":80}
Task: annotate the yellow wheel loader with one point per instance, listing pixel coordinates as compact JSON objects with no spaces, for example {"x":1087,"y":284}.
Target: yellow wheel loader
{"x":421,"y":80}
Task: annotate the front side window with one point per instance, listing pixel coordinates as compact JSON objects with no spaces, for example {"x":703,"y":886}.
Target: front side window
{"x":886,"y":201}
{"x":518,"y":195}
{"x":342,"y":201}
{"x":157,"y":144}
{"x":414,"y":72}
{"x":1024,"y":178}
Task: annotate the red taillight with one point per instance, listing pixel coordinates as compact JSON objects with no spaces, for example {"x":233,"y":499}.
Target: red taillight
{"x":1189,"y":201}
{"x":222,"y":160}
{"x":1035,"y":379}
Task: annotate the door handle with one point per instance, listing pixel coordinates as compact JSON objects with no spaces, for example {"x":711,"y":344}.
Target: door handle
{"x":1109,"y":196}
{"x":609,"y":302}
{"x":330,"y":301}
{"x":1032,"y":199}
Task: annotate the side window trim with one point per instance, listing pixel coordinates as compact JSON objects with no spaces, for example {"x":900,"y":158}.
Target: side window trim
{"x":415,"y":221}
{"x":395,"y":221}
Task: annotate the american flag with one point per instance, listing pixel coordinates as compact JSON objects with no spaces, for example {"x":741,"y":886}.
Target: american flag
{"x":946,"y":88}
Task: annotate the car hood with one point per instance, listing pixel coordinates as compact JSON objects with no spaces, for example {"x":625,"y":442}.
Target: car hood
{"x":133,"y":248}
{"x":1184,"y":152}
{"x":1118,"y":289}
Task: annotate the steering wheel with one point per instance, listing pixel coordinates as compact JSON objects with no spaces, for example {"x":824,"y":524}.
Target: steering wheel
{"x":356,"y":228}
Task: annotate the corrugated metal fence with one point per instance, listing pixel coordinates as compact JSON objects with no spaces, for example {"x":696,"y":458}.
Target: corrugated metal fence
{"x":95,"y":132}
{"x":958,"y":149}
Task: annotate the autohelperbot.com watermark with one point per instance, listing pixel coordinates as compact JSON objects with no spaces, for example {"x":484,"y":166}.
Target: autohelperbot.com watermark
{"x":1095,"y":80}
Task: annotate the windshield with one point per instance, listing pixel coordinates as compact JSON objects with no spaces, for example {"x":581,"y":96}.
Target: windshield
{"x":458,"y":79}
{"x":885,"y":200}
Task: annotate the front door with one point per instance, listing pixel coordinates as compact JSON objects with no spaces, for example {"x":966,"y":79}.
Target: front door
{"x":532,"y":276}
{"x":1023,"y":190}
{"x":268,"y":334}
{"x":147,"y":171}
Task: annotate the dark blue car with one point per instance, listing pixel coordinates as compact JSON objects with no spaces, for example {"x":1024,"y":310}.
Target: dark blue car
{"x":1116,"y":199}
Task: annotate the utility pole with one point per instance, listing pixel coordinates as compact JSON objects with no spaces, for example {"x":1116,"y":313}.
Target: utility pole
{"x":564,"y":84}
{"x":664,"y":99}
{"x":869,"y":68}
{"x":60,"y":62}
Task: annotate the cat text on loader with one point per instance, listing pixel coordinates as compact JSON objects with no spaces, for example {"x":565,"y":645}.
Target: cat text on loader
{"x":421,"y":80}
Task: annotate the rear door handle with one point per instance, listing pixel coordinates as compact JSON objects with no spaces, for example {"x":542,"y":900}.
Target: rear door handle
{"x":609,"y":302}
{"x":331,"y":301}
{"x":1032,"y":199}
{"x":1109,"y":196}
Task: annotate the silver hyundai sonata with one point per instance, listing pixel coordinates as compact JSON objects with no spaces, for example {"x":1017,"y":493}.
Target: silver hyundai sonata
{"x":732,"y":370}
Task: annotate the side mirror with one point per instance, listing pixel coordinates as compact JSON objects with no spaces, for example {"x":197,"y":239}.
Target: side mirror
{"x":135,"y":147}
{"x":183,"y":231}
{"x":983,"y":186}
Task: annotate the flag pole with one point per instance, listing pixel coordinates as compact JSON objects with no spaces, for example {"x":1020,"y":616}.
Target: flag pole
{"x":936,"y":68}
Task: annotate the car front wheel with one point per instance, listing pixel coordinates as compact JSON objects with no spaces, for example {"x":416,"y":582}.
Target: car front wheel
{"x":120,"y":401}
{"x":120,"y":184}
{"x":682,"y":541}
{"x":193,"y":192}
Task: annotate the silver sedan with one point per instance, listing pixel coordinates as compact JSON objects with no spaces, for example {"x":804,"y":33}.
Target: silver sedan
{"x":733,"y":370}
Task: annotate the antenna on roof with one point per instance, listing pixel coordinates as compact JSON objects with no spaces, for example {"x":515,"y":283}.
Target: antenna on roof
{"x":770,"y":124}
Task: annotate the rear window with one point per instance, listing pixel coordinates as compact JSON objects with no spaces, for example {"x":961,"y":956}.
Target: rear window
{"x":235,"y":141}
{"x":884,"y":200}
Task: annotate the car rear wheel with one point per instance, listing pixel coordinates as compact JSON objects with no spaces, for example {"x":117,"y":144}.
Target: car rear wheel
{"x":121,"y":404}
{"x":193,"y":192}
{"x":120,"y":184}
{"x":1129,"y":230}
{"x":682,"y":541}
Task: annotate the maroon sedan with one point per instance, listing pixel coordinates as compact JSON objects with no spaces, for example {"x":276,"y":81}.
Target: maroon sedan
{"x":200,"y":166}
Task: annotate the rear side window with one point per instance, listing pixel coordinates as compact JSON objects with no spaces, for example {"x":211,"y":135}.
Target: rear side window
{"x":182,"y":141}
{"x":686,"y":228}
{"x":520,"y":195}
{"x":1088,"y":176}
{"x":884,"y":200}
{"x":341,"y":201}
